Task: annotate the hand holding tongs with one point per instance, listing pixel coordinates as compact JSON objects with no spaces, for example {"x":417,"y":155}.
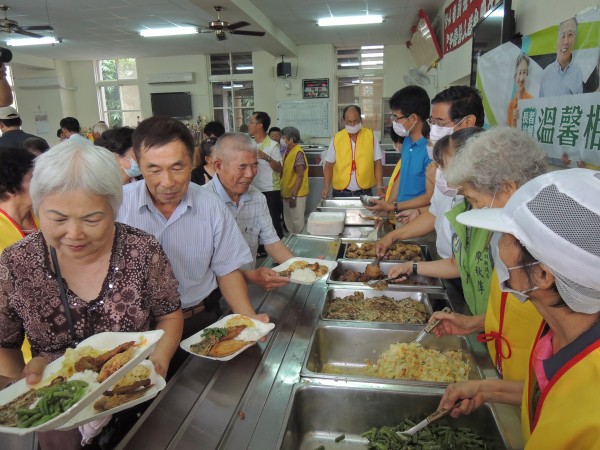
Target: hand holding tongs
{"x":430,"y":326}
{"x":429,"y":419}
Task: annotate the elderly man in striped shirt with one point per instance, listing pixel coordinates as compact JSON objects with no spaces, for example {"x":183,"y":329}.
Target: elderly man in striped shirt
{"x":236,"y":166}
{"x":198,"y":234}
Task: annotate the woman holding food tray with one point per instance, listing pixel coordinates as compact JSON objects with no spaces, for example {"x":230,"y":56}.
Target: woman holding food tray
{"x":550,"y":251}
{"x":112,"y":277}
{"x":509,"y":324}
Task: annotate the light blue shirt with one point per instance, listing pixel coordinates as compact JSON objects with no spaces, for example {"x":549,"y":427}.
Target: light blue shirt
{"x":412,"y":171}
{"x":556,"y":81}
{"x":200,"y":238}
{"x":251,"y":215}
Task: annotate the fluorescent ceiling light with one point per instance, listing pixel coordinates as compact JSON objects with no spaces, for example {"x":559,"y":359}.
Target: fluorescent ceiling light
{"x":234,"y":86}
{"x":372,"y":47}
{"x":349,"y":20}
{"x":372,"y":63}
{"x":241,"y":67}
{"x":173,"y":31}
{"x":32,"y":41}
{"x":350,"y":64}
{"x":362,"y":82}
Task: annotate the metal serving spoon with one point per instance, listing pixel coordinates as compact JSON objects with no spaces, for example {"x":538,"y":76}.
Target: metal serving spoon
{"x":429,"y":419}
{"x":430,"y":326}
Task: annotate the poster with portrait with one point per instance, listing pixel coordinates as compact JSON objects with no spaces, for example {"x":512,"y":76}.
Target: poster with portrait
{"x":548,"y":84}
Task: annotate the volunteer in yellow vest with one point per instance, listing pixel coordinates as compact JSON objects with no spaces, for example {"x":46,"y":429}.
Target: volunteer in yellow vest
{"x":549,"y":254}
{"x":353,"y":163}
{"x":294,"y":180}
{"x":16,"y":217}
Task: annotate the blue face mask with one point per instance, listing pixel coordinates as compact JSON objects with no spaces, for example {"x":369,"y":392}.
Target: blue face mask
{"x":134,"y":169}
{"x":503,"y":273}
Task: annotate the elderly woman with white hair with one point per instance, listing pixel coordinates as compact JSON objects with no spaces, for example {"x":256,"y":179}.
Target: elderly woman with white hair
{"x":294,"y":180}
{"x":550,"y":249}
{"x":486,"y":170}
{"x":83,"y":273}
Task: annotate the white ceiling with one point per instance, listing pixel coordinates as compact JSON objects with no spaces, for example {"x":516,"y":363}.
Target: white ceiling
{"x":100,"y":29}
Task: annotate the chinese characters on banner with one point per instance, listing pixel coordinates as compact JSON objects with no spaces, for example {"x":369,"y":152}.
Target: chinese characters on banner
{"x":459,"y":19}
{"x":565,"y":125}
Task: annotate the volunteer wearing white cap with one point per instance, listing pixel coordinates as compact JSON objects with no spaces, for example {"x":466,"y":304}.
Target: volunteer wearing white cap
{"x":10,"y":126}
{"x":551,"y":250}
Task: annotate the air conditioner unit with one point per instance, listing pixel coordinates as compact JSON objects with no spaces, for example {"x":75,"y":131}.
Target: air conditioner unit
{"x":165,"y":78}
{"x":40,"y":83}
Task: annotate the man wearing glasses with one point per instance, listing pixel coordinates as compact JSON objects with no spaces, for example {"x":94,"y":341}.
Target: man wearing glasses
{"x":354,"y":160}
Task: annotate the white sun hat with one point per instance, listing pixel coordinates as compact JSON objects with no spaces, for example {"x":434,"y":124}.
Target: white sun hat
{"x":556,"y":217}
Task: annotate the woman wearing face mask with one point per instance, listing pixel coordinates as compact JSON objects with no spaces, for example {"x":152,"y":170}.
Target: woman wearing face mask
{"x":509,"y":325}
{"x":550,"y":247}
{"x":294,"y":180}
{"x":118,"y":141}
{"x":433,"y":218}
{"x":517,"y":159}
{"x":521,"y":73}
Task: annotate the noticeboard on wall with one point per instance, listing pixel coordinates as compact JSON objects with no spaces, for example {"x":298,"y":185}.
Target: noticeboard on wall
{"x":311,"y":117}
{"x":315,"y":88}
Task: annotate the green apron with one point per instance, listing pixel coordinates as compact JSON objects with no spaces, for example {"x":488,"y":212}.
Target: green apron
{"x":471,"y":249}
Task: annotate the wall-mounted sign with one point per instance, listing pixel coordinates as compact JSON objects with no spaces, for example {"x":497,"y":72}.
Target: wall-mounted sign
{"x":315,"y":88}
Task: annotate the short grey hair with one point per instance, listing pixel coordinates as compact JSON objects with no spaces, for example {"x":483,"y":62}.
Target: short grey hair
{"x":490,"y":159}
{"x":74,"y":165}
{"x":291,"y":133}
{"x":236,"y":142}
{"x":99,"y":127}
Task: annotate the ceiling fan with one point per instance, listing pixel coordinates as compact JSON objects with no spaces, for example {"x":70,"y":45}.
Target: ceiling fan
{"x":12,"y":26}
{"x":220,"y":27}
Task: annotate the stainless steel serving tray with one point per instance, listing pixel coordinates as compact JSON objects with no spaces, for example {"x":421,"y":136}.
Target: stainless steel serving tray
{"x":344,"y":249}
{"x":317,"y":414}
{"x":352,"y":347}
{"x":351,"y":206}
{"x":334,"y":292}
{"x":426,"y":283}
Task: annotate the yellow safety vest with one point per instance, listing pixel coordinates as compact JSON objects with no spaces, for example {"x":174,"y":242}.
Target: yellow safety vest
{"x":567,"y":411}
{"x":288,"y":177}
{"x":361,"y":161}
{"x":392,"y":179}
{"x":510,"y":330}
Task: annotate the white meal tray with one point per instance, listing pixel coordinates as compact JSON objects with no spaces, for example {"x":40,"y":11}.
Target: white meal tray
{"x":89,"y":413}
{"x":326,"y":223}
{"x":329,"y":264}
{"x":260,"y":330}
{"x":101,"y":341}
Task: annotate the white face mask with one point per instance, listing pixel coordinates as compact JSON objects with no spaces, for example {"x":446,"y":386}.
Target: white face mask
{"x":353,"y":129}
{"x":282,"y":143}
{"x":437,"y":132}
{"x":442,"y":184}
{"x":400,"y":130}
{"x":503,"y":273}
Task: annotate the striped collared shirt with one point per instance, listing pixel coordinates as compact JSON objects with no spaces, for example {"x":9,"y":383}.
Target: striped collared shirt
{"x":251,"y":215}
{"x":200,"y":238}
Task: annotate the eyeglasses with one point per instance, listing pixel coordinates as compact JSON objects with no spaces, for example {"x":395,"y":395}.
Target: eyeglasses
{"x":430,"y":121}
{"x":395,"y":118}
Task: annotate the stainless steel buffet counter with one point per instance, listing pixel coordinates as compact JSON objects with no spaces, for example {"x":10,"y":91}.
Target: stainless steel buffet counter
{"x":245,"y":402}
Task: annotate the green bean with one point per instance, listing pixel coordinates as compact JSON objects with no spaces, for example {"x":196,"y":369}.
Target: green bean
{"x":340,"y":438}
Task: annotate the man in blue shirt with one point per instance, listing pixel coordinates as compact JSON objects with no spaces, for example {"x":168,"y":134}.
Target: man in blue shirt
{"x":410,"y":109}
{"x":563,"y":76}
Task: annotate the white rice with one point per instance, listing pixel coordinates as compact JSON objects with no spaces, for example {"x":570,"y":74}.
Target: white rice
{"x":306,"y":275}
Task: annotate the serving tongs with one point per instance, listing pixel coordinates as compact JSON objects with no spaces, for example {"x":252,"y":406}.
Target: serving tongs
{"x":430,"y":326}
{"x":429,"y":419}
{"x":374,"y":235}
{"x":372,"y":283}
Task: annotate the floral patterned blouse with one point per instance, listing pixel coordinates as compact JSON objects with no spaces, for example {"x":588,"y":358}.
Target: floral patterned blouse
{"x":139,"y":288}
